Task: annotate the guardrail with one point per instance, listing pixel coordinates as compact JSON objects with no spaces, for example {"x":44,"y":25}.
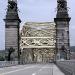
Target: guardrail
{"x":8,"y":63}
{"x":67,"y":66}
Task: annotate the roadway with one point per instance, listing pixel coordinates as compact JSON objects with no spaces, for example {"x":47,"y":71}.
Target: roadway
{"x":32,"y":69}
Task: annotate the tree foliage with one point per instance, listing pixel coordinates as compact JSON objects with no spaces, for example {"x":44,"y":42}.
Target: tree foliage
{"x":10,"y":51}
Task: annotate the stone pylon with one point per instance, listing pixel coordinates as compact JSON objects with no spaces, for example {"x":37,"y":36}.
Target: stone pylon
{"x":12,"y":24}
{"x":62,"y":29}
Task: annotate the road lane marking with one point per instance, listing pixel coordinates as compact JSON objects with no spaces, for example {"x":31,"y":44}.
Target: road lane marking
{"x":44,"y":67}
{"x":38,"y":70}
{"x":16,"y":70}
{"x":34,"y":74}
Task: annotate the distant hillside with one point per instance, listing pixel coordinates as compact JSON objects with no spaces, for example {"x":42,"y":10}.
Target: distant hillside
{"x":2,"y":51}
{"x":72,"y":48}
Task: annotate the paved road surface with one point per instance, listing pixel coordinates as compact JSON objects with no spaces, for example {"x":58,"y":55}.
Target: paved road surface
{"x":31,"y":69}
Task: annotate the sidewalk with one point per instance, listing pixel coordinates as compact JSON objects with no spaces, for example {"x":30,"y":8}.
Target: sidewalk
{"x":57,"y":71}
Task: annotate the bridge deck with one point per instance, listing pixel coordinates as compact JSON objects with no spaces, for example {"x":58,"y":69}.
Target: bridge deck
{"x":32,"y":69}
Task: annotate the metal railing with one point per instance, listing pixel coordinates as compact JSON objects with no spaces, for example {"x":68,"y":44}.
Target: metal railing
{"x":8,"y":63}
{"x":67,"y":66}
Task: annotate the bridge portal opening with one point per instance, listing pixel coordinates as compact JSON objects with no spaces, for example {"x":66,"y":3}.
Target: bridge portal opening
{"x":38,"y":55}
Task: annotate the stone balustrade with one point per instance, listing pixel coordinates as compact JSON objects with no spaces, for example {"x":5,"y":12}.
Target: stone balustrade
{"x":8,"y":63}
{"x":67,"y":66}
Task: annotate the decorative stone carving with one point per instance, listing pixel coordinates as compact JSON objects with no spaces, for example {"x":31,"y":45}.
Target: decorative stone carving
{"x":40,"y":34}
{"x":41,"y":39}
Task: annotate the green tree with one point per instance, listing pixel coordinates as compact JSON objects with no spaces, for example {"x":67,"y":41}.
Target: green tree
{"x":10,"y":51}
{"x":2,"y":58}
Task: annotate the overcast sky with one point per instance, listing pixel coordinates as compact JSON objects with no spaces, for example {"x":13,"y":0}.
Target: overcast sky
{"x":38,"y":11}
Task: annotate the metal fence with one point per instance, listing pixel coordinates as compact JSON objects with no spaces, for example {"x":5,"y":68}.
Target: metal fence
{"x":8,"y":63}
{"x":67,"y":66}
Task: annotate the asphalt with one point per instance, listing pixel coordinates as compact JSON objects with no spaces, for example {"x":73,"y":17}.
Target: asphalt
{"x":32,"y":69}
